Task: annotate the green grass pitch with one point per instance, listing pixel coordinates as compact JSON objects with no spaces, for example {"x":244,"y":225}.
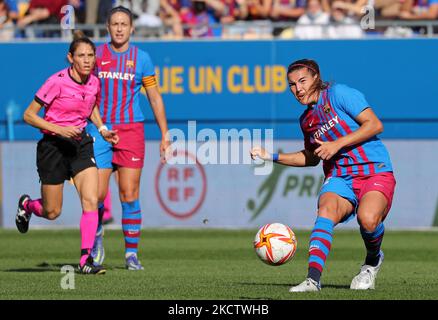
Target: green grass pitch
{"x":211,"y":265}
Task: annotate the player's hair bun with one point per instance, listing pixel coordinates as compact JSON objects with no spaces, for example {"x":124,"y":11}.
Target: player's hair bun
{"x":80,"y":37}
{"x":78,"y":34}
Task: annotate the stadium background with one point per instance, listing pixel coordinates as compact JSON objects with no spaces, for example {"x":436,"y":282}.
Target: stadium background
{"x":242,"y":85}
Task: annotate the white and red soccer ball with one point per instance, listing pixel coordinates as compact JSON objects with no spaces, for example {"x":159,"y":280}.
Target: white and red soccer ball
{"x":275,"y":243}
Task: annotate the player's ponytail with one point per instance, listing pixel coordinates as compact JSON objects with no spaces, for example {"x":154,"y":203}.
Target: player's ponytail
{"x":80,"y":37}
{"x":78,"y":34}
{"x":313,"y":68}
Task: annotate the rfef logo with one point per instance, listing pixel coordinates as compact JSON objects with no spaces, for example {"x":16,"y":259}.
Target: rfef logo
{"x":181,"y":188}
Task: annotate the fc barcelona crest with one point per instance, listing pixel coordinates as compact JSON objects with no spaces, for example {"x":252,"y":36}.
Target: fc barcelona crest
{"x":327,"y":108}
{"x":130,"y":63}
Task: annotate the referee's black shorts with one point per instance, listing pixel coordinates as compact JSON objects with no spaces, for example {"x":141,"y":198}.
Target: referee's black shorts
{"x":59,"y":159}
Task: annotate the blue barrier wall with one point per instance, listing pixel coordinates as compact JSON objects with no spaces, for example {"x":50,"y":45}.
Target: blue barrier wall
{"x":232,"y":84}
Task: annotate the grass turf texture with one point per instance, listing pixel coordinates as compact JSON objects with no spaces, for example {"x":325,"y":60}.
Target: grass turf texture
{"x":211,"y":264}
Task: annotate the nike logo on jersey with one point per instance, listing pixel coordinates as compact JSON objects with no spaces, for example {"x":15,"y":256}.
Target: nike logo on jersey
{"x":105,"y":62}
{"x":135,"y":159}
{"x":310,"y":124}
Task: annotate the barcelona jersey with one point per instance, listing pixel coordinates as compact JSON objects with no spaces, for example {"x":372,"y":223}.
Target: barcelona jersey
{"x":121,"y":76}
{"x":333,"y":117}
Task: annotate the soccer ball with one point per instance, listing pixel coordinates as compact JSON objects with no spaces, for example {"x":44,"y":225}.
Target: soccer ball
{"x":275,"y":244}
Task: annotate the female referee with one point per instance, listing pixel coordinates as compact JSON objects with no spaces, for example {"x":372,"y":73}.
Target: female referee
{"x":66,"y":150}
{"x":341,"y":129}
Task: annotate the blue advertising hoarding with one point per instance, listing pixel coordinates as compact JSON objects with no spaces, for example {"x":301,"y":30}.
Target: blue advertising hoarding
{"x":234,"y":84}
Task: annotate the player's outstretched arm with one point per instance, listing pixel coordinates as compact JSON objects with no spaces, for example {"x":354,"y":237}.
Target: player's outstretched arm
{"x":303,"y":158}
{"x":32,"y":118}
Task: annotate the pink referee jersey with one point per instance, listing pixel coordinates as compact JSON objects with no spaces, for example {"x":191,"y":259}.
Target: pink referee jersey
{"x":68,"y":102}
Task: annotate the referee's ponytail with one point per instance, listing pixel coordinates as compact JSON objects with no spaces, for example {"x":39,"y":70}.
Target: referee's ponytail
{"x":78,"y":38}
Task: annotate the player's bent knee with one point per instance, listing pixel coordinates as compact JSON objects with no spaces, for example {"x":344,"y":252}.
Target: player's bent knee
{"x":101,"y":197}
{"x":89,"y":203}
{"x":328,"y":211}
{"x":128,"y":196}
{"x":52,"y":214}
{"x":369,"y":224}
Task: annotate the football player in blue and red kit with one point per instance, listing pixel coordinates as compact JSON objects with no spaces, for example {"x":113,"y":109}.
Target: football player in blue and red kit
{"x":340,"y":128}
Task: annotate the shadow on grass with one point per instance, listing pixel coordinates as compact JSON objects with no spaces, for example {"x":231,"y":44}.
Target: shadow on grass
{"x":265,"y":284}
{"x":47,"y":267}
{"x":336,"y":286}
{"x":118,"y":268}
{"x":288,"y":285}
{"x":43,"y":267}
